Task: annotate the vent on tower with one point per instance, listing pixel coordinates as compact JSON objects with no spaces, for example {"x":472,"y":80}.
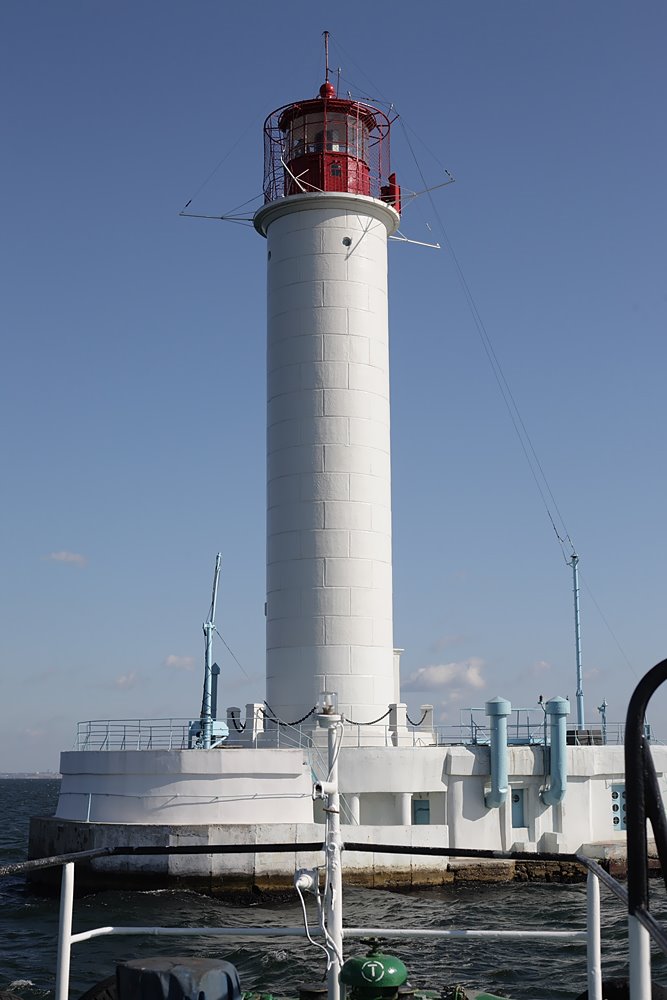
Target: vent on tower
{"x":327,"y":144}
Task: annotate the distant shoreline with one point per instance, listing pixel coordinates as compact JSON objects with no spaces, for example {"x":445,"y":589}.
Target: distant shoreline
{"x":36,"y":775}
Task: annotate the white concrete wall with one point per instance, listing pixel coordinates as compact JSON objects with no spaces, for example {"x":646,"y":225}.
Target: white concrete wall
{"x":185,"y":786}
{"x":392,"y":769}
{"x":329,"y":581}
{"x":232,"y":787}
{"x":378,"y":809}
{"x":456,"y":779}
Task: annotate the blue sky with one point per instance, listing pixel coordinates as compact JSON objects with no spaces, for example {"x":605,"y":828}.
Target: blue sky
{"x":133,"y":345}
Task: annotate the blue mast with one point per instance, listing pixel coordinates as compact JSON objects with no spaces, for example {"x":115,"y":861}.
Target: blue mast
{"x":574,"y":563}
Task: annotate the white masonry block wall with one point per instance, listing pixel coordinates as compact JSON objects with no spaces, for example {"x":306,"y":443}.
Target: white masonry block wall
{"x":329,"y":577}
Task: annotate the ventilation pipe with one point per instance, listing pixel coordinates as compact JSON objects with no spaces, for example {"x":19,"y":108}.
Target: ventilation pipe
{"x":498,"y":710}
{"x":557,"y":709}
{"x":215,"y":673}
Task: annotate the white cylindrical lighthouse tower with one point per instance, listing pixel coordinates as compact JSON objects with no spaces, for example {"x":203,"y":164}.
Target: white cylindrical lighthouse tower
{"x":330,"y":205}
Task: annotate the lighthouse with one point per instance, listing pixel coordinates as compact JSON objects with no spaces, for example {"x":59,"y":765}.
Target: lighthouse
{"x":330,"y":204}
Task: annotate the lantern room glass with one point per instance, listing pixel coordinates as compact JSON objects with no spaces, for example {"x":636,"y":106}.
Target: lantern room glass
{"x":332,"y":133}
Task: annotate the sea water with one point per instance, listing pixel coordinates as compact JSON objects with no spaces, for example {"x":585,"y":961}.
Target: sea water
{"x":523,"y":970}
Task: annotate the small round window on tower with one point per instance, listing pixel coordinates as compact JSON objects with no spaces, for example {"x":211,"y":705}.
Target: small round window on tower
{"x":347,"y":242}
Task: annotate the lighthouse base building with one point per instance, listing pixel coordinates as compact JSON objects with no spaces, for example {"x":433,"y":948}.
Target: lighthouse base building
{"x":421,"y":795}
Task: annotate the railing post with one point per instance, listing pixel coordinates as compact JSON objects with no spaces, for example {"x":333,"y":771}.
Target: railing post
{"x":639,"y":951}
{"x":65,"y":931}
{"x":333,"y":901}
{"x":593,"y":955}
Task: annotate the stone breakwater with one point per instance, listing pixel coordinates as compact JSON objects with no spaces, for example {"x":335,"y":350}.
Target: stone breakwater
{"x":262,"y":871}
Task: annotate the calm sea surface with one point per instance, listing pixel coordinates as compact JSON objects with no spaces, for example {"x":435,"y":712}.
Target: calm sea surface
{"x":28,"y":927}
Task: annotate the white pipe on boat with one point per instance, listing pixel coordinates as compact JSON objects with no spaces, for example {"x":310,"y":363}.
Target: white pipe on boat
{"x":233,"y":932}
{"x":557,"y":709}
{"x":593,"y":954}
{"x":65,"y":931}
{"x":498,"y":710}
{"x":639,"y":952}
{"x":333,"y":901}
{"x":316,"y":931}
{"x":418,"y":932}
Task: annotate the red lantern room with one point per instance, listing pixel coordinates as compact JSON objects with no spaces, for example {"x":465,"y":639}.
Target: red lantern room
{"x":328,"y":144}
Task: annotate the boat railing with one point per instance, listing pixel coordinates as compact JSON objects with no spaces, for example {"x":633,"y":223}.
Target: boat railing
{"x":589,"y":934}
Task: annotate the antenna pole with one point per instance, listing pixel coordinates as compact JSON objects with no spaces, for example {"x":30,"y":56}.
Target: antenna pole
{"x":602,"y":709}
{"x":326,"y":56}
{"x":574,"y":563}
{"x":209,"y":629}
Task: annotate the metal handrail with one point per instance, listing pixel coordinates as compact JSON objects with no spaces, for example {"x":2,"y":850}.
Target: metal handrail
{"x":174,"y":733}
{"x":639,"y":955}
{"x":133,"y":734}
{"x":66,"y":938}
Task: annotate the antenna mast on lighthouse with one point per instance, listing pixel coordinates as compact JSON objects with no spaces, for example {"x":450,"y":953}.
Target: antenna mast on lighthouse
{"x":326,"y":56}
{"x":209,"y":628}
{"x":574,"y":563}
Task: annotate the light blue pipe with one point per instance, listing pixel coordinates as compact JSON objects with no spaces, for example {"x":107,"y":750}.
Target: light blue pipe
{"x":498,"y":710}
{"x":557,"y":709}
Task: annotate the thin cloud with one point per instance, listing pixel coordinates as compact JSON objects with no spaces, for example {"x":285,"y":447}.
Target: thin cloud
{"x":539,"y":668}
{"x":56,"y":674}
{"x":71,"y":558}
{"x":34,"y":734}
{"x":125,"y":681}
{"x":179,"y":662}
{"x":438,"y":676}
